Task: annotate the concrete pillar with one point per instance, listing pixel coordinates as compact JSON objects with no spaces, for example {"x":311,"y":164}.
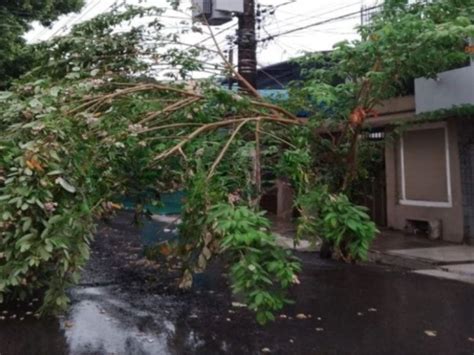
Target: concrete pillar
{"x":285,"y":200}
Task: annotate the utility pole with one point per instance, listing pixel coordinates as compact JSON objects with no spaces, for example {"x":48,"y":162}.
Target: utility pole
{"x":247,"y":44}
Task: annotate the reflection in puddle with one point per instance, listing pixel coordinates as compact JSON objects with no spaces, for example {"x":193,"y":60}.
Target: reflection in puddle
{"x":97,"y":325}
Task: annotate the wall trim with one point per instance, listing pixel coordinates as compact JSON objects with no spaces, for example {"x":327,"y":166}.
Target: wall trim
{"x":436,"y":204}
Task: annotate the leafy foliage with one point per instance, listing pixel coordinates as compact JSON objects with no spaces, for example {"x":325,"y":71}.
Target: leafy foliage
{"x":261,"y":270}
{"x":88,"y":125}
{"x":343,"y":87}
{"x":345,"y":226}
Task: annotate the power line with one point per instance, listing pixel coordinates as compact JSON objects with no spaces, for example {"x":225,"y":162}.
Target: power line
{"x":88,"y":9}
{"x":324,"y":30}
{"x":316,"y":24}
{"x":290,"y":21}
{"x":218,"y":33}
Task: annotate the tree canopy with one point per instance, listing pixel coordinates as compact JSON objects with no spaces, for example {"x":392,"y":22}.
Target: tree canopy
{"x":400,"y":43}
{"x":15,"y":20}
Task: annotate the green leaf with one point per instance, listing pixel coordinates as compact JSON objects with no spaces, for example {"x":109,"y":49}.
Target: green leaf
{"x":4,"y":95}
{"x":55,"y":172}
{"x":35,"y":103}
{"x":54,"y":91}
{"x":27,"y":224}
{"x":65,"y":185}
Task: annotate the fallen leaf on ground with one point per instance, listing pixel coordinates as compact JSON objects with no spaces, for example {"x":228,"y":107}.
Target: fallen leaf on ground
{"x":239,"y":305}
{"x":372,"y":309}
{"x":266,"y":350}
{"x":360,"y":314}
{"x":165,"y":250}
{"x":431,"y":333}
{"x":319,"y":329}
{"x":301,"y":316}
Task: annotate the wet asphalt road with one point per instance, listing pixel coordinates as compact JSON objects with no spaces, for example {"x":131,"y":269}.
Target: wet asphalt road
{"x":127,"y":306}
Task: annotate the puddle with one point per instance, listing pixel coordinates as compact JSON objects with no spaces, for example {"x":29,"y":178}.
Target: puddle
{"x":93,"y":332}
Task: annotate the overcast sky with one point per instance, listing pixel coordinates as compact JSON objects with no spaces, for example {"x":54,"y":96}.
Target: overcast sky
{"x":288,"y":15}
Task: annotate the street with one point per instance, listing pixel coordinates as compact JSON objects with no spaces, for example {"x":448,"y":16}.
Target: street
{"x":125,"y":305}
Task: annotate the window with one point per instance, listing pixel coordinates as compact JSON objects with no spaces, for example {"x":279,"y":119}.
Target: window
{"x":425,"y":167}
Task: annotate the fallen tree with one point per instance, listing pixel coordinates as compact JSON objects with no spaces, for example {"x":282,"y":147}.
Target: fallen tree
{"x":88,"y":126}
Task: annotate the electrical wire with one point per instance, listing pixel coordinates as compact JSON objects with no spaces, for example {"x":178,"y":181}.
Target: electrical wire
{"x":87,"y":10}
{"x":218,"y":33}
{"x":290,"y":21}
{"x":319,"y":23}
{"x":315,"y":14}
{"x":329,"y":31}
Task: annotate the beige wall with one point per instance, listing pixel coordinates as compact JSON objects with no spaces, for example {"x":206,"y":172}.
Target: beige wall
{"x":449,"y":210}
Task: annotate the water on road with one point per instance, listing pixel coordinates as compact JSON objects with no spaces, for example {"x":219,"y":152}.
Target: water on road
{"x":127,"y":306}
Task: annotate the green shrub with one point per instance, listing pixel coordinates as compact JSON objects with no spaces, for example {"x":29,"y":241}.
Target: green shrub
{"x":335,"y":219}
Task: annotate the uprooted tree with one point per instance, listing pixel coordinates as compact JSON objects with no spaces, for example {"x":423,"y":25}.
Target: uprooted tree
{"x":89,"y":125}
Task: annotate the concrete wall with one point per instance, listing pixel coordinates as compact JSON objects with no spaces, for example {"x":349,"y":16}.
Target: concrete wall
{"x":450,"y":214}
{"x":451,"y":88}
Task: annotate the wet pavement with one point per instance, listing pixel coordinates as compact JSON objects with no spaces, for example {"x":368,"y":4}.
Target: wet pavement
{"x":126,"y":305}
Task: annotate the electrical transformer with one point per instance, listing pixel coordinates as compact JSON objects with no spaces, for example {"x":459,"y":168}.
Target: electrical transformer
{"x":216,"y":12}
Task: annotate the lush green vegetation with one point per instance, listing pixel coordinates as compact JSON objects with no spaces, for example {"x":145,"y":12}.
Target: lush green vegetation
{"x":83,"y":128}
{"x":344,"y":226}
{"x":342,"y":88}
{"x":90,"y":123}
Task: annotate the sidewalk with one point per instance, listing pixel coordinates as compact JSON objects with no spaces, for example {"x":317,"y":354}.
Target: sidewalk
{"x":423,"y":256}
{"x":415,"y":253}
